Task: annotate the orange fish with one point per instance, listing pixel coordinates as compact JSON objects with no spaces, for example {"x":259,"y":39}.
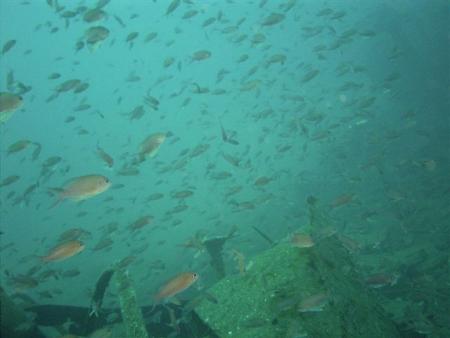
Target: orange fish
{"x":83,"y":187}
{"x":176,"y":285}
{"x":64,"y":251}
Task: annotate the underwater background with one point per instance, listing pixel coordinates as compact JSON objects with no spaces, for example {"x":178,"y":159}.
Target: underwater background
{"x":232,"y":120}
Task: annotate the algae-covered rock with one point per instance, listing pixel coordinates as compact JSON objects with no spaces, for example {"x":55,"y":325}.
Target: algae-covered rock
{"x":292,"y":292}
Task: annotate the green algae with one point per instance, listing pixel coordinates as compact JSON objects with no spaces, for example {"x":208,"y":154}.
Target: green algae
{"x":265,"y":301}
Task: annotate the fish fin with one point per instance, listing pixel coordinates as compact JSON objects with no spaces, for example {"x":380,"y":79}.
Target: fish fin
{"x":55,"y":191}
{"x":42,"y":259}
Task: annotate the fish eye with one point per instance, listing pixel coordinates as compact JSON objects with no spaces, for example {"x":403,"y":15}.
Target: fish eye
{"x":106,"y":180}
{"x":195,"y":275}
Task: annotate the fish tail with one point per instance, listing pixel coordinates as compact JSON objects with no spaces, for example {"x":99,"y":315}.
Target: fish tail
{"x":42,"y":259}
{"x":59,"y":192}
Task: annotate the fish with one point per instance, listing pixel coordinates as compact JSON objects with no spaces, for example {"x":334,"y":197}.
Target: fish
{"x":64,"y":251}
{"x":24,"y":282}
{"x":140,"y":222}
{"x":208,"y":21}
{"x":128,"y":171}
{"x":277,"y":58}
{"x":155,"y":196}
{"x":150,"y":146}
{"x":9,"y":180}
{"x":150,"y":36}
{"x":93,"y":15}
{"x":132,"y":36}
{"x":8,"y":45}
{"x":9,"y":103}
{"x":54,"y":76}
{"x":273,"y":19}
{"x":73,"y":234}
{"x":103,"y":243}
{"x":226,"y":137}
{"x":18,"y":146}
{"x":314,"y":303}
{"x":81,"y":87}
{"x":182,"y":194}
{"x":189,"y":14}
{"x":379,"y":280}
{"x":263,"y":180}
{"x":176,"y":285}
{"x":201,"y":55}
{"x":82,"y":187}
{"x":105,"y":157}
{"x":67,"y":85}
{"x":239,"y":258}
{"x":310,"y":75}
{"x":224,"y":134}
{"x":302,"y":241}
{"x":231,"y":159}
{"x":173,"y":6}
{"x":95,"y":35}
{"x":342,"y":200}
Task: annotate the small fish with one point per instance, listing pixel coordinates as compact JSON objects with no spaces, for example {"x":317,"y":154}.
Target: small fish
{"x":239,"y":258}
{"x":231,"y":159}
{"x":189,"y":14}
{"x":24,"y":282}
{"x":201,"y":55}
{"x":54,"y":76}
{"x":18,"y":146}
{"x":342,"y":200}
{"x":67,"y":85}
{"x":182,"y":194}
{"x":379,"y":280}
{"x":132,"y":36}
{"x":105,"y":157}
{"x":151,"y":145}
{"x":73,"y":234}
{"x":314,"y":303}
{"x":9,"y":103}
{"x":150,"y":36}
{"x":95,"y":35}
{"x":173,"y":6}
{"x":103,"y":243}
{"x":9,"y":180}
{"x":224,"y":134}
{"x":176,"y":285}
{"x":83,"y":187}
{"x":310,"y":75}
{"x":273,"y":19}
{"x":155,"y":196}
{"x":93,"y":15}
{"x":233,"y":142}
{"x":64,"y":251}
{"x":302,"y":241}
{"x":140,"y":222}
{"x":8,"y":45}
{"x":263,"y":180}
